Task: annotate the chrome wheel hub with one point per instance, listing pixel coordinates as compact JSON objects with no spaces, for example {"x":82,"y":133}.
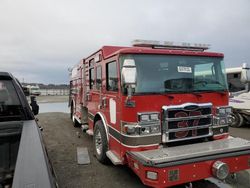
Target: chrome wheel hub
{"x":98,"y":142}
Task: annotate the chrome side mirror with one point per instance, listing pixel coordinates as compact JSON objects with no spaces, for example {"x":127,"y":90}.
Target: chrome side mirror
{"x":129,"y":72}
{"x":129,"y":76}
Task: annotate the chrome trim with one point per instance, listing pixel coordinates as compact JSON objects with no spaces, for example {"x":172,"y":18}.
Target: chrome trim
{"x":155,"y":112}
{"x":189,"y":117}
{"x":141,"y":135}
{"x":189,"y":128}
{"x":190,"y":138}
{"x":145,"y":124}
{"x":186,"y":104}
{"x":219,"y":126}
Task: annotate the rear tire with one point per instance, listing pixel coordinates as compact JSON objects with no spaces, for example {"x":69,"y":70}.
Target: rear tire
{"x":238,"y":120}
{"x":71,"y":110}
{"x":74,"y":121}
{"x":100,"y":142}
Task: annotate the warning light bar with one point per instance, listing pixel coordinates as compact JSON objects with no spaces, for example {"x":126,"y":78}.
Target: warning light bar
{"x":170,"y":45}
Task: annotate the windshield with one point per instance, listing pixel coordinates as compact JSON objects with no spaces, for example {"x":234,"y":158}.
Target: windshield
{"x":178,"y":74}
{"x":10,"y":106}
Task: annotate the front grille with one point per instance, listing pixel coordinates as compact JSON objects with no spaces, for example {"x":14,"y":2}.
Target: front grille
{"x":187,"y":121}
{"x":172,"y":112}
{"x":188,"y":134}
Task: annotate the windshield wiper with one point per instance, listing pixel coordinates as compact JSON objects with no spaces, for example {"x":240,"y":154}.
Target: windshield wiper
{"x":208,"y":91}
{"x":176,"y":91}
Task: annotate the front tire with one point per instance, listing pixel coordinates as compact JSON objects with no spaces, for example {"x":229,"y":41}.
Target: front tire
{"x":100,"y":142}
{"x":238,"y":120}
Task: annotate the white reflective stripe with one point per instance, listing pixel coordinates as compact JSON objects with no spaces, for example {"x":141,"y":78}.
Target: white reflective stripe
{"x":133,"y":146}
{"x":112,"y":112}
{"x":77,"y":119}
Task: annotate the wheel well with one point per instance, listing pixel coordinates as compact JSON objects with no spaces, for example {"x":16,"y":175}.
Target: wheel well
{"x":97,"y":118}
{"x":72,"y":107}
{"x":72,"y":103}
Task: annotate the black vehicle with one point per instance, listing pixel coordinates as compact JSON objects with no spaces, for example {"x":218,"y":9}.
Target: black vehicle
{"x":23,"y":157}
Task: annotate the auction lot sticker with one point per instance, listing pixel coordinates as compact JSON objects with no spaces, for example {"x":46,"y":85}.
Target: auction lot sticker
{"x":184,"y":69}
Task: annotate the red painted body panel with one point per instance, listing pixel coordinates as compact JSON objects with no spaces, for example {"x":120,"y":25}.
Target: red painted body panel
{"x":109,"y":51}
{"x":151,"y":103}
{"x":188,"y":172}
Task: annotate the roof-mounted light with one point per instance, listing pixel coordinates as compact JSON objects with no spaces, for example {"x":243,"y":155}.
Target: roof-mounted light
{"x":170,"y":45}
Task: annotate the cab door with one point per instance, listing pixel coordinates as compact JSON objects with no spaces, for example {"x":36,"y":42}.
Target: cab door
{"x":112,"y":100}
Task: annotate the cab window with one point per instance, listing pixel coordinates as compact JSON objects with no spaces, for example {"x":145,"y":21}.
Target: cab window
{"x":112,"y":77}
{"x":98,"y":77}
{"x":91,"y":78}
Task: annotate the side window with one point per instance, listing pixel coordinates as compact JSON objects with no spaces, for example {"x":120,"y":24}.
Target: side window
{"x":91,"y":78}
{"x":98,"y":77}
{"x":112,"y":78}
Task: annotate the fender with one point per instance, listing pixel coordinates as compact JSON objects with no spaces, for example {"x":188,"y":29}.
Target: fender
{"x":104,"y":123}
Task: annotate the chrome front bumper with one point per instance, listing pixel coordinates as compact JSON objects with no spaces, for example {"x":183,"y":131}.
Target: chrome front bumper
{"x":212,"y":150}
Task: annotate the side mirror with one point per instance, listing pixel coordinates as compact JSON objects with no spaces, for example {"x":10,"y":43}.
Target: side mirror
{"x":34,"y":105}
{"x":26,"y":91}
{"x":129,"y":72}
{"x":245,"y":74}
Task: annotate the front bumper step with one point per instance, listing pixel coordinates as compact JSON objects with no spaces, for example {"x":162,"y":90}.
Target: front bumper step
{"x":172,"y":156}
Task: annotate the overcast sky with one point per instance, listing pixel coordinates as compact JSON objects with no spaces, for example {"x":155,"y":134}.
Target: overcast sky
{"x":40,"y":39}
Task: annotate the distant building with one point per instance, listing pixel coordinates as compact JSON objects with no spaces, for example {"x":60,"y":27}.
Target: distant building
{"x":50,"y":89}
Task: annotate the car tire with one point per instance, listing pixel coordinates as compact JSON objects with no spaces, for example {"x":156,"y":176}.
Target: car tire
{"x":238,"y":120}
{"x":100,"y":142}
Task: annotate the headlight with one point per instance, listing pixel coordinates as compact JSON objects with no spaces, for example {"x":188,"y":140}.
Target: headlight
{"x":223,"y":115}
{"x":229,"y":110}
{"x":131,"y":129}
{"x":223,"y":110}
{"x":135,"y":129}
{"x":154,"y":117}
{"x":150,"y":129}
{"x":144,"y":117}
{"x":148,"y":116}
{"x":221,"y":120}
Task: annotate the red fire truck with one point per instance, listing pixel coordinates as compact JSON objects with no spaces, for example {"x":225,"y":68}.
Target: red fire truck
{"x":161,"y":108}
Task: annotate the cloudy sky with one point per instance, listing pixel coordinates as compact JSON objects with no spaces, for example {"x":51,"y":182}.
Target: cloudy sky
{"x":40,"y":39}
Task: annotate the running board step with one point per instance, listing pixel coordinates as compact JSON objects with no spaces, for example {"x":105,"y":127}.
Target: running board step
{"x":114,"y":159}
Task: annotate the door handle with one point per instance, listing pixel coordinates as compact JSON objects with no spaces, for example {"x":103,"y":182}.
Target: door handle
{"x":88,"y":97}
{"x":103,"y":103}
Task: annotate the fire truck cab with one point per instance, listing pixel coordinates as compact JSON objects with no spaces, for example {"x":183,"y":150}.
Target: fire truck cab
{"x":161,"y":108}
